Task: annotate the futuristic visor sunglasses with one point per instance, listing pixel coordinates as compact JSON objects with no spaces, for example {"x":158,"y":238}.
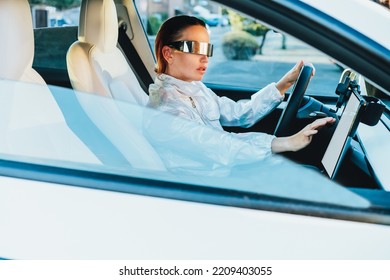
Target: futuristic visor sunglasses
{"x":193,"y":47}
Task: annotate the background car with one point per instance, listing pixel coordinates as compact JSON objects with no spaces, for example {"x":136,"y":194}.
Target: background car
{"x":81,"y":178}
{"x":211,"y":19}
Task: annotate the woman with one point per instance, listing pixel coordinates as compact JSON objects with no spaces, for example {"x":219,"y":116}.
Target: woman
{"x":182,"y":49}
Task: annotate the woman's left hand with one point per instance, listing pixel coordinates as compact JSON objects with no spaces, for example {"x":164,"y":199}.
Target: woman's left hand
{"x":291,"y":76}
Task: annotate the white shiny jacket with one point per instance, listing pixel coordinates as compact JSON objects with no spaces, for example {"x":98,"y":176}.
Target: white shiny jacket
{"x":197,"y":103}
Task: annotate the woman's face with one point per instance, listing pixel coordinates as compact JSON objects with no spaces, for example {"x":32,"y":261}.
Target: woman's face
{"x":187,"y":66}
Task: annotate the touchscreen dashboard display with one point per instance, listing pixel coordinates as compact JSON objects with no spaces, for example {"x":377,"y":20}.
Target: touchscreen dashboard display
{"x":341,"y":138}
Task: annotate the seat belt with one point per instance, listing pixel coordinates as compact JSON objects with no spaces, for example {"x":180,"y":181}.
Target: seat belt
{"x":134,"y":59}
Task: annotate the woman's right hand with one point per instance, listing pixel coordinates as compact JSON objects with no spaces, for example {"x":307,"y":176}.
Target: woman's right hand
{"x":300,"y":139}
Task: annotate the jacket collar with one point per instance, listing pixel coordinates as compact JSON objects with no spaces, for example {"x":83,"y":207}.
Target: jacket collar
{"x":187,"y":88}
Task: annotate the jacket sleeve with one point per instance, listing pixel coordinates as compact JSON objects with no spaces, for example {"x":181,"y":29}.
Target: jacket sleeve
{"x":183,"y":143}
{"x":246,"y":113}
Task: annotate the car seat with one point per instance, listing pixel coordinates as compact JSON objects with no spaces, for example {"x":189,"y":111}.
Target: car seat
{"x":31,"y":121}
{"x":17,"y":48}
{"x":95,"y":63}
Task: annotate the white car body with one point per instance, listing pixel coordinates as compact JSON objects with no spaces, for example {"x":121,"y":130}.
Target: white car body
{"x":48,"y":219}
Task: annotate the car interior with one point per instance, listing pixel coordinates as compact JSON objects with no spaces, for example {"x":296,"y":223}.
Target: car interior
{"x":90,"y":59}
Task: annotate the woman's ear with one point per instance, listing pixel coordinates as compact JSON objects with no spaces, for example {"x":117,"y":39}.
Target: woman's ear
{"x":167,"y":54}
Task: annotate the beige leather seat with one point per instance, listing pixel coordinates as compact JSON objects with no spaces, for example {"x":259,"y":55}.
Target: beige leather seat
{"x":95,"y":64}
{"x":31,"y":122}
{"x":17,"y":47}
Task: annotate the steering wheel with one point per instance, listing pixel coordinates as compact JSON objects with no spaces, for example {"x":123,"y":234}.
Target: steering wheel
{"x":294,"y":100}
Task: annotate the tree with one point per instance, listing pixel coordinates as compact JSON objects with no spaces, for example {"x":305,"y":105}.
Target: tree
{"x":240,"y":22}
{"x":59,"y":4}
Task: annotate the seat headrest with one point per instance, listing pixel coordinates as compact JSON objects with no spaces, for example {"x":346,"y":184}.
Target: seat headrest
{"x":99,"y":24}
{"x":16,"y":32}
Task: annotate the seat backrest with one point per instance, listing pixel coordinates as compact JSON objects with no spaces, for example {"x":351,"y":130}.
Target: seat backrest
{"x":17,"y":48}
{"x":95,"y":63}
{"x":31,"y":122}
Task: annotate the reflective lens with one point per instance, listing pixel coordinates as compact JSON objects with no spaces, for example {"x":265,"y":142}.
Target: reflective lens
{"x":193,"y":47}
